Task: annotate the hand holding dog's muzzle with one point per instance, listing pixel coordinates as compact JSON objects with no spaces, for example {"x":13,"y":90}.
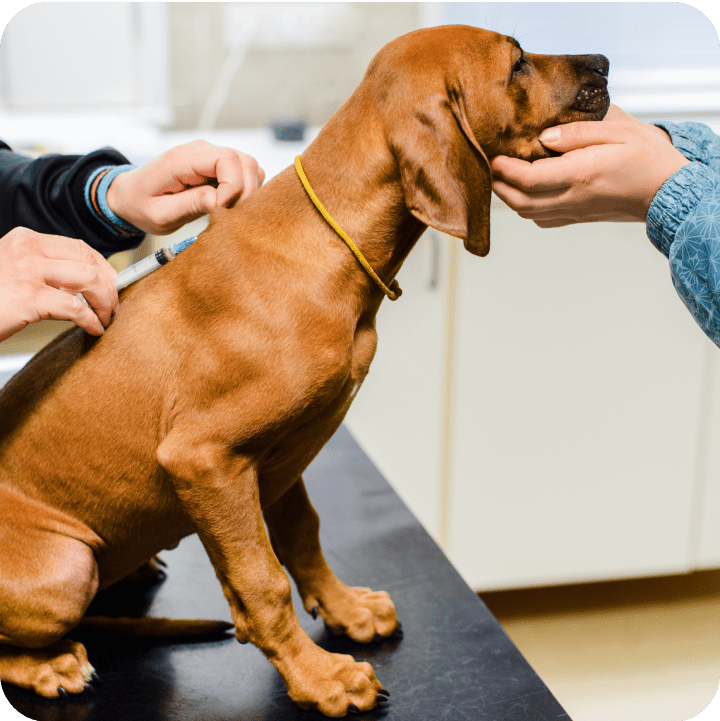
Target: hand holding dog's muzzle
{"x":609,"y":170}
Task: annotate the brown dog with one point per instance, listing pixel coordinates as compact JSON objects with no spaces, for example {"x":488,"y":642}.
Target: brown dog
{"x":226,"y":371}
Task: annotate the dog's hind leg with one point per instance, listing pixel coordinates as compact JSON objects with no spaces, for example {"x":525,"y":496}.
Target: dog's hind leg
{"x":294,"y":528}
{"x":47,"y":580}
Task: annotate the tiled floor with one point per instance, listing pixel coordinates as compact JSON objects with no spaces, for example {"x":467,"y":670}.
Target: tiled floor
{"x":641,"y":650}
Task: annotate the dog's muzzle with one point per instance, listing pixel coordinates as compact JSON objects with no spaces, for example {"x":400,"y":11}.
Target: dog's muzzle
{"x":593,"y":95}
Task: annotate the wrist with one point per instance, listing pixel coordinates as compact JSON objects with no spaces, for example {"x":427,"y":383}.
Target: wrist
{"x":104,"y":200}
{"x":674,"y":201}
{"x":115,"y":191}
{"x":108,"y":197}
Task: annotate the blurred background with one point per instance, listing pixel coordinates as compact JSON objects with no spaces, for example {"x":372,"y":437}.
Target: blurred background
{"x":551,"y":412}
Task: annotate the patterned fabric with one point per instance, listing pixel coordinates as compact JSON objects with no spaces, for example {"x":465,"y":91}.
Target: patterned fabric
{"x":684,"y":223}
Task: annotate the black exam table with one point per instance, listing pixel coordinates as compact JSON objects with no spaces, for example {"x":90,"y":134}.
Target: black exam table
{"x":454,"y":663}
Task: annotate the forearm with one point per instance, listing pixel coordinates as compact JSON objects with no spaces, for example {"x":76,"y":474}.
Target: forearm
{"x":49,"y":195}
{"x":684,"y":224}
{"x":696,"y":142}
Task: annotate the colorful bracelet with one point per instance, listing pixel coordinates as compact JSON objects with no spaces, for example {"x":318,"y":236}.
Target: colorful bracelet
{"x":96,"y":199}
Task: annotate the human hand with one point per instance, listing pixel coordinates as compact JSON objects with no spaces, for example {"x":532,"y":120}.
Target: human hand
{"x":610,"y":171}
{"x":35,"y":272}
{"x":183,"y":184}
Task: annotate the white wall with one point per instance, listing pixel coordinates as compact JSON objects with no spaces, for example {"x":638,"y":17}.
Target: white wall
{"x":88,"y":56}
{"x":631,"y":34}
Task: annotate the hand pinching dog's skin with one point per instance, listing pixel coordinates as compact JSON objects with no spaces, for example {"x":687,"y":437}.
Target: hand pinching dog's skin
{"x":226,"y":371}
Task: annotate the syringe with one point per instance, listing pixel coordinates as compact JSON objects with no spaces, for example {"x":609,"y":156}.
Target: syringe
{"x":147,"y":265}
{"x":152,"y":262}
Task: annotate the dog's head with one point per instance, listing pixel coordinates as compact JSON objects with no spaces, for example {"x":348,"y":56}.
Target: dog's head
{"x":454,"y":96}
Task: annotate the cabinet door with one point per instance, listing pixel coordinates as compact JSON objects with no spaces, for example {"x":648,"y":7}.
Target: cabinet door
{"x":705,"y":538}
{"x":397,"y":415}
{"x":578,"y":384}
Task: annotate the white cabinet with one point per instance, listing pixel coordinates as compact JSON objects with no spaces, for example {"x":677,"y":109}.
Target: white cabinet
{"x":577,"y":415}
{"x":564,"y":431}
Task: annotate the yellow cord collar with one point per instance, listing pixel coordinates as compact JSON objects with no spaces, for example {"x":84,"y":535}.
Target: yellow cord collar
{"x":393,"y":292}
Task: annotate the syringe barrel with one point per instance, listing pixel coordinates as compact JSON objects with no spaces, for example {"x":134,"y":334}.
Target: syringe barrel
{"x":137,"y":271}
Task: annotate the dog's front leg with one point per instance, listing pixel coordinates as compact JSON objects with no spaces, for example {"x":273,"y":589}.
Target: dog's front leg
{"x":219,"y":491}
{"x":294,"y":528}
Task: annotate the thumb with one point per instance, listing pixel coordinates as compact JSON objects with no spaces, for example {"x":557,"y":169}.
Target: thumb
{"x":572,"y":136}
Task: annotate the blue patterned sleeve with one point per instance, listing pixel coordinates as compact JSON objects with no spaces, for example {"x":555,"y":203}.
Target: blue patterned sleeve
{"x":684,"y":224}
{"x":696,"y":142}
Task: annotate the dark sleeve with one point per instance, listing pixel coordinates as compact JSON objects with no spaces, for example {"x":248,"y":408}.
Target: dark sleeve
{"x":47,"y":195}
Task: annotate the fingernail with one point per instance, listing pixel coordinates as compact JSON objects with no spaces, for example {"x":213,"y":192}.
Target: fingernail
{"x":550,"y":135}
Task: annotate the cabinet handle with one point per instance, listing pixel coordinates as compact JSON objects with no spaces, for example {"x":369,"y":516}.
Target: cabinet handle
{"x":434,"y":261}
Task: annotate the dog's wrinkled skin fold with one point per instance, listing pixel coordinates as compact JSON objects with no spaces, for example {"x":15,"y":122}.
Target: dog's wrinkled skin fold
{"x":225,"y":372}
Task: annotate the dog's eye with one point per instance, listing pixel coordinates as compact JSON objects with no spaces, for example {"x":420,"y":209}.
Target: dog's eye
{"x":519,"y":65}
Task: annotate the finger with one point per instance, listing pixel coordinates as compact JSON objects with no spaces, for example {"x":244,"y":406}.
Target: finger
{"x":560,"y":223}
{"x":173,"y":211}
{"x":235,"y":172}
{"x":544,"y":175}
{"x":55,"y":247}
{"x":84,"y":278}
{"x":528,"y":205}
{"x":563,"y":138}
{"x":106,"y":283}
{"x":233,"y":179}
{"x":250,"y":181}
{"x":77,"y":264}
{"x":56,"y":304}
{"x":505,"y":167}
{"x":510,"y":195}
{"x":253,"y":175}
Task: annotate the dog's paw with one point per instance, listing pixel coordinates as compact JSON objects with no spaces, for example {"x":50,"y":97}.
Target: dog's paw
{"x":337,"y":685}
{"x":360,"y":613}
{"x":52,"y":672}
{"x":151,"y":569}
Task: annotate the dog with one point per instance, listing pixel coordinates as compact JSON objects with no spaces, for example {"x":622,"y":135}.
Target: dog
{"x":224,"y":372}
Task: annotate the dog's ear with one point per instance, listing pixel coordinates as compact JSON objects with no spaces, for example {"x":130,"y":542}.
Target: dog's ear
{"x":445,"y":174}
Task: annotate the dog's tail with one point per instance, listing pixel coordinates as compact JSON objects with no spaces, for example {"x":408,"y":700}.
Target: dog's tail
{"x":154,"y":627}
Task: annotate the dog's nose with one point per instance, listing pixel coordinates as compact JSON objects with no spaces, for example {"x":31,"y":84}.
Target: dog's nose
{"x":599,"y":64}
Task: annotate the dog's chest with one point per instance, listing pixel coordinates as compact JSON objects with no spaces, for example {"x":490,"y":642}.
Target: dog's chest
{"x":290,"y":456}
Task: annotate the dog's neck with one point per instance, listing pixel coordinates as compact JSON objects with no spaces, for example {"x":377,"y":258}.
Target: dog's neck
{"x":356,"y":178}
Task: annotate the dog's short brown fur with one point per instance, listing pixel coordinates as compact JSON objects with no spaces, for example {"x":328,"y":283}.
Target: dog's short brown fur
{"x":224,"y":373}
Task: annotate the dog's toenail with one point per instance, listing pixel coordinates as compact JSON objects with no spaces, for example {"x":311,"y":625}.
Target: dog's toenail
{"x":62,"y":694}
{"x":352,"y":708}
{"x":314,"y":613}
{"x":383,"y":692}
